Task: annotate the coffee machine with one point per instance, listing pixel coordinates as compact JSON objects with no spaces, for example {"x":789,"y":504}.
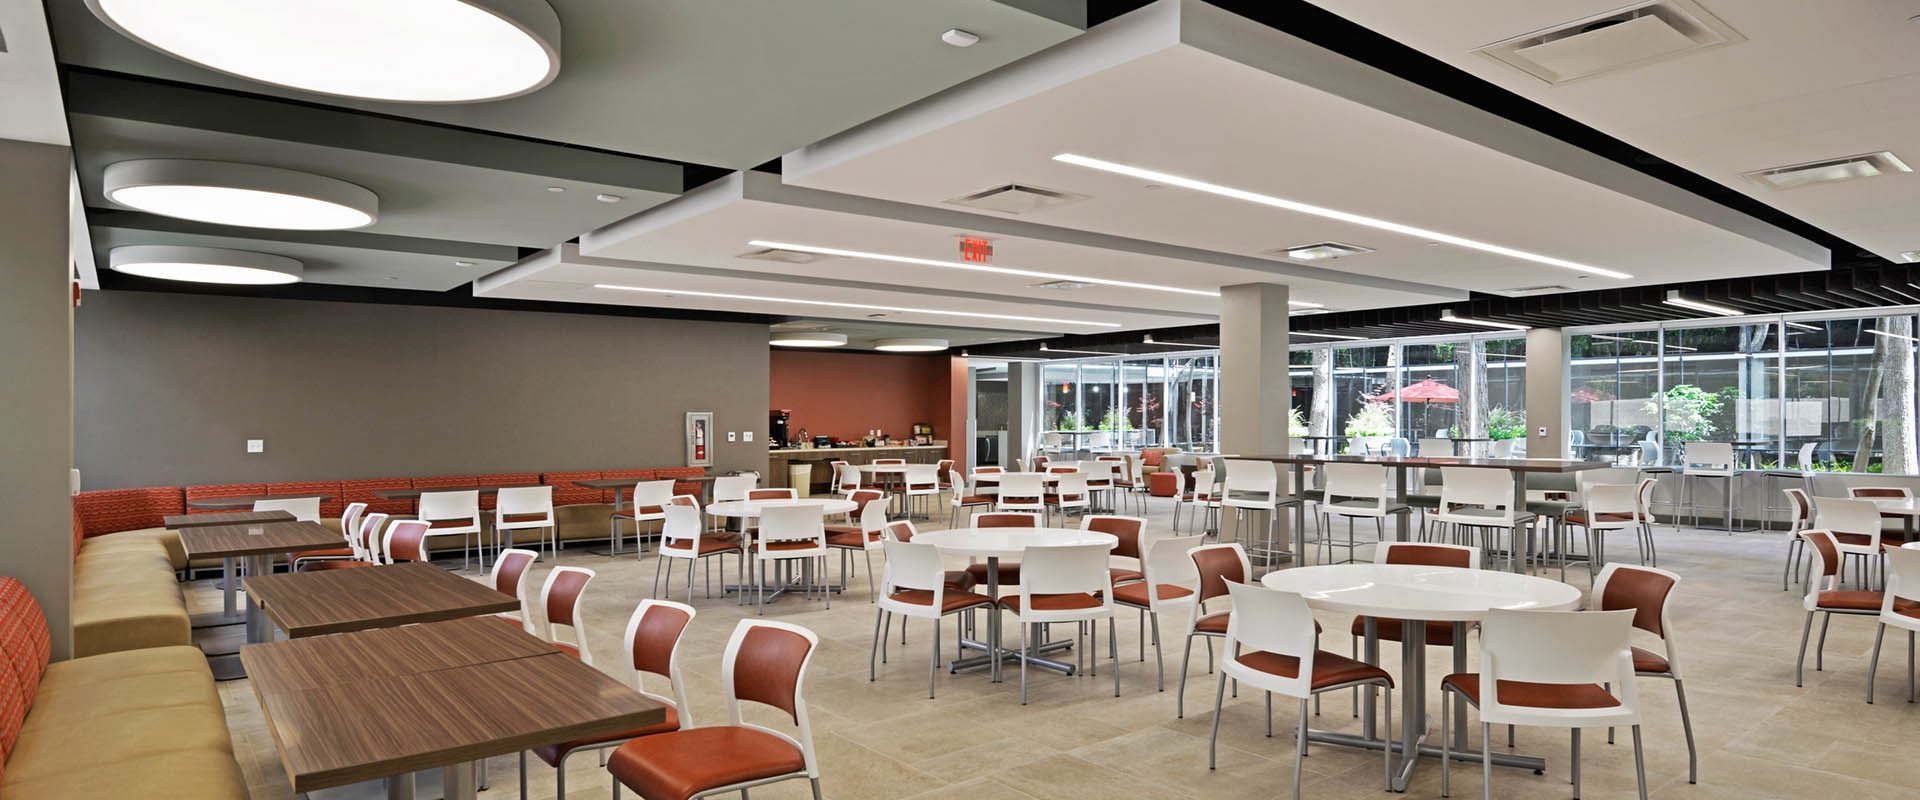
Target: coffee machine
{"x":777,"y":427}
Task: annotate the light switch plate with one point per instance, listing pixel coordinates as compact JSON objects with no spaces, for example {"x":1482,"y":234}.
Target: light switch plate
{"x":747,"y":436}
{"x":256,"y":445}
{"x":1543,"y":432}
{"x":733,"y":436}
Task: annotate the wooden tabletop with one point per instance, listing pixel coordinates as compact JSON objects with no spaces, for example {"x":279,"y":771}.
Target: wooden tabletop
{"x":1513,"y":464}
{"x":178,"y":521}
{"x":340,"y":600}
{"x":321,"y":661}
{"x":247,"y":500}
{"x":253,"y":539}
{"x":414,"y":494}
{"x":344,"y":733}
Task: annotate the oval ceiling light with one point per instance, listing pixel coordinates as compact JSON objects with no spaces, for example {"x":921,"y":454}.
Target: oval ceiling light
{"x":403,"y":51}
{"x":808,"y":339}
{"x":239,"y":194}
{"x":204,"y":264}
{"x":910,"y":345}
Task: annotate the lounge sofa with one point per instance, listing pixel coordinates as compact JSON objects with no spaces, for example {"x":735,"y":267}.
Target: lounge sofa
{"x":144,"y":723}
{"x":126,"y":591}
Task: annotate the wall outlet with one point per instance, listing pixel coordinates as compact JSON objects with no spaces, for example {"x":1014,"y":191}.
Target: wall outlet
{"x":256,"y":445}
{"x":733,"y":436}
{"x":747,"y":436}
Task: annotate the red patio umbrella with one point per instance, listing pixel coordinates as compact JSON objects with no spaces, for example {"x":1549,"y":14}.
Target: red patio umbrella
{"x":1426,"y":391}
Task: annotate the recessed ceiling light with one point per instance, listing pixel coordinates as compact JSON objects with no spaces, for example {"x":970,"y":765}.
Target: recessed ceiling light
{"x":204,"y":264}
{"x":808,"y":339}
{"x":1674,"y":299}
{"x":934,"y":262}
{"x":960,"y":38}
{"x":250,"y":195}
{"x":1846,"y":168}
{"x":861,"y":306}
{"x":1447,"y":315}
{"x":556,"y":189}
{"x":910,"y":345}
{"x":608,"y":198}
{"x":1910,"y":256}
{"x":463,"y":263}
{"x":1328,"y":213}
{"x":1323,"y":251}
{"x":405,"y":51}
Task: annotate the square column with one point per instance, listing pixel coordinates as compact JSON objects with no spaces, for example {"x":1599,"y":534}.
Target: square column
{"x":1255,"y":390}
{"x":1547,"y":401}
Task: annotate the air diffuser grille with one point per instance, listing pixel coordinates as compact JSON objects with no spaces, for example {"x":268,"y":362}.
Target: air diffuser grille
{"x":1616,"y":40}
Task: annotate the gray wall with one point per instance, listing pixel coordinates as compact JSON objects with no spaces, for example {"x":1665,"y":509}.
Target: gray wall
{"x":36,"y":392}
{"x":169,"y":386}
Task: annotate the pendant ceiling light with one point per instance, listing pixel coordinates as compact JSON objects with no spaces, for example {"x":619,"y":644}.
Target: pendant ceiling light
{"x":404,"y":51}
{"x":204,"y":264}
{"x":808,"y":339}
{"x":910,"y":345}
{"x":239,"y":194}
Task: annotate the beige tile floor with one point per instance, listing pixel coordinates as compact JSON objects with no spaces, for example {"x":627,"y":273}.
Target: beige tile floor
{"x":1758,"y":735}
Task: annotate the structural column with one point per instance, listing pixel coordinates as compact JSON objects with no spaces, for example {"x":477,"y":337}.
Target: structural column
{"x":1255,"y":390}
{"x":1547,"y":412}
{"x":1024,"y":422}
{"x":36,"y":356}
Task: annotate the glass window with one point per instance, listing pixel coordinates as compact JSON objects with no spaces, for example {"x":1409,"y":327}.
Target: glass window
{"x":1303,"y":406}
{"x":1850,"y":394}
{"x":1614,"y":379}
{"x":1192,"y":384}
{"x":1145,"y":386}
{"x":1428,"y":399}
{"x":1060,"y":402}
{"x":1359,"y":375}
{"x":1721,"y":386}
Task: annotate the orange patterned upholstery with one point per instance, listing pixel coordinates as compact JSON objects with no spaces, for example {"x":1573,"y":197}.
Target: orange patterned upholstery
{"x":211,"y":491}
{"x":115,"y":510}
{"x":361,"y":491}
{"x":330,"y":508}
{"x":446,"y":482}
{"x":565,"y":493}
{"x":635,"y":475}
{"x":24,"y":643}
{"x":682,"y":487}
{"x":79,"y":531}
{"x":488,"y":501}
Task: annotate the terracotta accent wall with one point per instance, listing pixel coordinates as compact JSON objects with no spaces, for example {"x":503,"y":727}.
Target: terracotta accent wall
{"x":847,"y":394}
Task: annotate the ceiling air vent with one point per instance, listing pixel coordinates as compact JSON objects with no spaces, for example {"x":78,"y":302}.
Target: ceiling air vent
{"x":1629,"y":37}
{"x":782,"y":256}
{"x":1830,"y":170}
{"x":1319,"y":251}
{"x":1017,"y":198}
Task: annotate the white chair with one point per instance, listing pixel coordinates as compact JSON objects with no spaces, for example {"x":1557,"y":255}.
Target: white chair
{"x":1100,"y":475}
{"x":1708,"y":460}
{"x":1273,"y":646}
{"x":350,"y":522}
{"x":1171,"y":584}
{"x":1072,"y":585}
{"x":1355,"y":491}
{"x":1855,"y":525}
{"x":1482,"y":499}
{"x":1069,"y":491}
{"x":789,"y":533}
{"x":921,"y":480}
{"x":1900,"y":608}
{"x":846,"y":478}
{"x":359,"y":552}
{"x":1022,"y":491}
{"x":1254,"y":486}
{"x":1201,"y":500}
{"x":988,"y":489}
{"x":964,"y":497}
{"x":649,"y":501}
{"x":1824,"y":597}
{"x":1218,"y":565}
{"x":560,"y":608}
{"x":1647,"y":590}
{"x":864,"y":539}
{"x":1585,"y":660}
{"x":915,"y":586}
{"x":525,"y":508}
{"x":1609,"y":507}
{"x":682,"y":536}
{"x":303,"y":509}
{"x":734,"y":487}
{"x":1801,"y":507}
{"x":1893,"y":526}
{"x":1436,"y":448}
{"x":510,"y":572}
{"x":349,"y":531}
{"x":404,"y":540}
{"x":453,"y":513}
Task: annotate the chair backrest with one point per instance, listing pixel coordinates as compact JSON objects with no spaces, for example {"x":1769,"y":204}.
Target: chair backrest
{"x":1798,"y":503}
{"x":1644,"y":590}
{"x":1006,"y":519}
{"x":889,"y":461}
{"x":1252,"y":476}
{"x":1072,"y":486}
{"x":456,"y":504}
{"x":873,"y":520}
{"x":1557,"y":647}
{"x":405,"y":540}
{"x":1276,"y":622}
{"x":1839,"y":515}
{"x":1070,"y":569}
{"x":1099,"y":470}
{"x":959,"y":483}
{"x":1869,"y":492}
{"x":1129,"y":530}
{"x":367,"y":539}
{"x":1021,"y":486}
{"x":846,"y":477}
{"x":1643,"y":497}
{"x":1825,"y":552}
{"x":988,"y":470}
{"x":652,"y":640}
{"x":1359,"y":482}
{"x":1399,"y":446}
{"x":652,"y":493}
{"x":900,"y":530}
{"x":945,"y":465}
{"x":1219,"y":565}
{"x":1491,"y":489}
{"x":560,"y":601}
{"x":685,"y":500}
{"x":350,"y":523}
{"x":519,"y":500}
{"x":1709,"y":456}
{"x":1040,"y":463}
{"x":772,"y":494}
{"x":1167,"y":564}
{"x":510,"y":572}
{"x":1612,"y":498}
{"x":922,"y":478}
{"x":912,"y":565}
{"x":766,"y":662}
{"x":681,"y":528}
{"x":1806,"y":455}
{"x":1903,"y":578}
{"x":1061,"y":469}
{"x":733,"y":487}
{"x":304,"y":509}
{"x":866,"y":497}
{"x":1427,"y":554}
{"x":1200,"y":484}
{"x":1436,"y":448}
{"x":785,"y":523}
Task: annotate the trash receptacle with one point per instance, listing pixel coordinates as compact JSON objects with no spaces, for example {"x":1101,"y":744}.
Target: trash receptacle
{"x":800,"y":477}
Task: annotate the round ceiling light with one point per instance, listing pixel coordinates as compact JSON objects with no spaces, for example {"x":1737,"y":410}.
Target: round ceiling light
{"x":239,"y":194}
{"x":404,"y":51}
{"x":808,"y":339}
{"x":204,"y":264}
{"x":910,"y":345}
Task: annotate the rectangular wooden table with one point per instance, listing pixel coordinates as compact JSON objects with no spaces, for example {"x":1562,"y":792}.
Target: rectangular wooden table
{"x":414,"y":494}
{"x":257,"y":543}
{"x":246,"y":501}
{"x":425,"y":697}
{"x":178,"y":521}
{"x":336,"y":601}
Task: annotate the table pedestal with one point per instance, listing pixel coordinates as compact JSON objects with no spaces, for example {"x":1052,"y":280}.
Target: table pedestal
{"x":1032,"y":654}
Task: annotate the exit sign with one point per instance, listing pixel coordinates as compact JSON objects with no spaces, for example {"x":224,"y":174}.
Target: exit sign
{"x":979,"y":251}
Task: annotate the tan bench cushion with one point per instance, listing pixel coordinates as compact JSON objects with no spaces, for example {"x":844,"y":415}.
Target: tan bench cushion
{"x":186,"y":775}
{"x":169,"y":542}
{"x":125,"y":594}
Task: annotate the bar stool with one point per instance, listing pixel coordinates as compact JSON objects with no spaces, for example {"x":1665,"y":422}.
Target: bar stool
{"x":1359,"y":491}
{"x":1200,"y":495}
{"x":1483,"y":499}
{"x":560,"y":601}
{"x":1708,"y":460}
{"x":1254,"y":486}
{"x":765,"y":663}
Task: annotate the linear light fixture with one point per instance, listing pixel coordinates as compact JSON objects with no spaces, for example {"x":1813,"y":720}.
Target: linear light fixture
{"x":1341,"y":337}
{"x":1803,"y":326}
{"x":1167,"y":179}
{"x":1448,"y":316}
{"x":1148,"y":339}
{"x":861,"y":306}
{"x":1891,"y":335}
{"x":934,"y":262}
{"x":1638,"y":341}
{"x":1674,"y":299}
{"x":1045,"y":349}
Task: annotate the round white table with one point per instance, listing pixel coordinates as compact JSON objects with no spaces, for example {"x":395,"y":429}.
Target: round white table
{"x":752,"y":508}
{"x":994,"y":477}
{"x":994,"y":544}
{"x":1416,"y":595}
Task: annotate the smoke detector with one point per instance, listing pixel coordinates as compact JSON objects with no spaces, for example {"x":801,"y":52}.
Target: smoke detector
{"x":1017,"y":198}
{"x":1617,"y":40}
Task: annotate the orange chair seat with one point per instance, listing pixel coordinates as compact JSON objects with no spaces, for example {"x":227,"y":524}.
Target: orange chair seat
{"x":1329,"y":669}
{"x":853,"y":540}
{"x":1850,"y":601}
{"x":1053,"y":602}
{"x":330,"y":552}
{"x":950,"y":601}
{"x":681,"y":764}
{"x":1649,"y":661}
{"x":1535,"y":695}
{"x":1135,"y":594}
{"x":1124,"y":575}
